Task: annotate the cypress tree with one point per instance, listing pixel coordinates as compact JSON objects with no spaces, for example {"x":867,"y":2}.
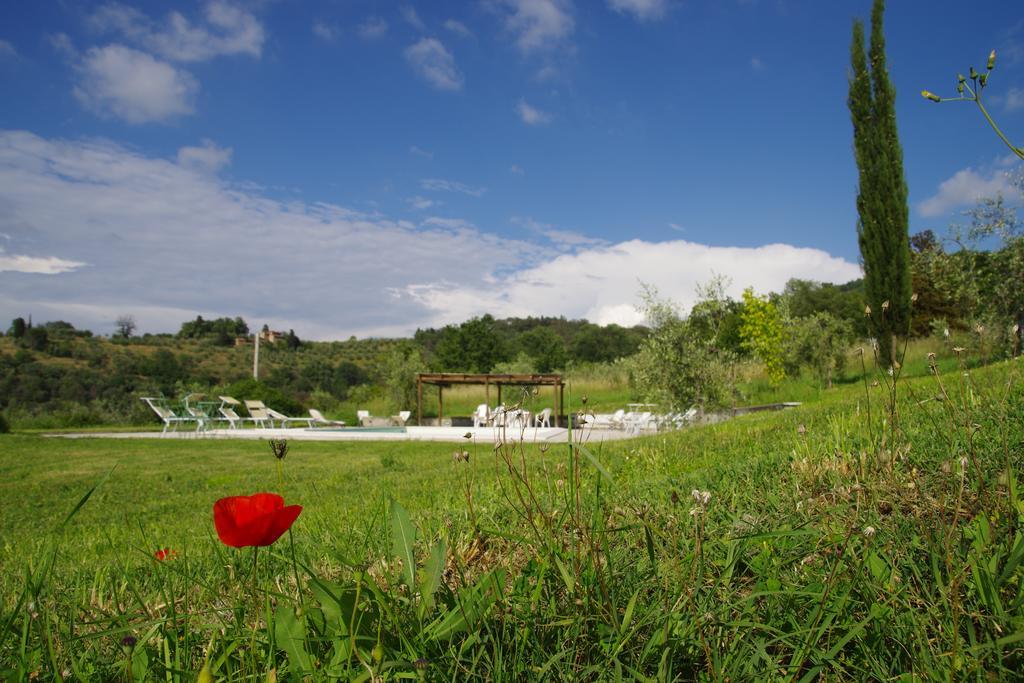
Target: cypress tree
{"x":883,"y":216}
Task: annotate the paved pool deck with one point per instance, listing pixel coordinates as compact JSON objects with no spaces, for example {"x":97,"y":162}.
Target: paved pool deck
{"x":449,"y":434}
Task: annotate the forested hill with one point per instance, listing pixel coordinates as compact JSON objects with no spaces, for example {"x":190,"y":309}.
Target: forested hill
{"x":76,"y":378}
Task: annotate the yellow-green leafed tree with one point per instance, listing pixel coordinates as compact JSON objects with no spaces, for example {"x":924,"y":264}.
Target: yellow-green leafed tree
{"x":761,"y":332}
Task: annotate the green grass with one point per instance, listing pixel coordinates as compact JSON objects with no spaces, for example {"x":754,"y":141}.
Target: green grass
{"x":571,"y":563}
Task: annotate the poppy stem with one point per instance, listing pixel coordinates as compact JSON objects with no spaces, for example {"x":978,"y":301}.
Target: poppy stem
{"x":295,"y":566}
{"x":255,"y":599}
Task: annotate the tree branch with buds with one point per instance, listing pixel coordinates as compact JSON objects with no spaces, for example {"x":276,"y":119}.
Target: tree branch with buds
{"x":971,"y":92}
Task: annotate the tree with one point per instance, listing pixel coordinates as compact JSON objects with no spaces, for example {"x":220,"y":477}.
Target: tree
{"x":399,"y":374}
{"x":473,"y":346}
{"x":125,"y":325}
{"x":679,"y":363}
{"x":17,"y":329}
{"x":882,"y":227}
{"x":820,"y":341}
{"x":545,"y":347}
{"x":761,"y":332}
{"x":36,"y":338}
{"x":292,"y":340}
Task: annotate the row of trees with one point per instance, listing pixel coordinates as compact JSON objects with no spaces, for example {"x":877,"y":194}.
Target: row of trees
{"x":540,"y":344}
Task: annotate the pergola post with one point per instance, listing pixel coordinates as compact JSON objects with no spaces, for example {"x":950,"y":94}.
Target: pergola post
{"x":561,"y":404}
{"x":487,"y":397}
{"x":440,"y":403}
{"x":554,"y":402}
{"x":419,"y":401}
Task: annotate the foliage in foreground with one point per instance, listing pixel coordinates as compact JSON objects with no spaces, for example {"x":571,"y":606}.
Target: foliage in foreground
{"x":874,"y":535}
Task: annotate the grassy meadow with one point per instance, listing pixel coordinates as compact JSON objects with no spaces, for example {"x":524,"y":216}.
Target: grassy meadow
{"x":874,"y":533}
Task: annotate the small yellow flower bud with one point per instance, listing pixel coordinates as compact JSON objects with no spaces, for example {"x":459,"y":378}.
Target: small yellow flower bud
{"x":992,"y":60}
{"x":930,"y":96}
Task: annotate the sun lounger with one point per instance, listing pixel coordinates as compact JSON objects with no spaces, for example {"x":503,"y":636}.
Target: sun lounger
{"x":258,"y":414}
{"x":284,"y":419}
{"x":317,"y":418}
{"x":170,"y":419}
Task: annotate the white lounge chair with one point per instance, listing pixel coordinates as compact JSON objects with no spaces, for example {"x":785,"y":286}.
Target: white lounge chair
{"x":318,"y":419}
{"x":284,"y":419}
{"x":543,"y":418}
{"x":403,"y":417}
{"x":363,"y":416}
{"x":258,"y":414}
{"x":170,"y":419}
{"x":618,"y":419}
{"x":227,"y":410}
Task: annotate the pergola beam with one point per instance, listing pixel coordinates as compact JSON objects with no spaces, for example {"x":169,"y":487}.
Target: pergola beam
{"x":447,"y":379}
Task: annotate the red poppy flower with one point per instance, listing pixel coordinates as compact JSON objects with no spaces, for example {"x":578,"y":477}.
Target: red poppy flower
{"x":164,"y":554}
{"x":259,"y":519}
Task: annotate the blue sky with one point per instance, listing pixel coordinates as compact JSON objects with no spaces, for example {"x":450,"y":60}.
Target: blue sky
{"x":367,"y":167}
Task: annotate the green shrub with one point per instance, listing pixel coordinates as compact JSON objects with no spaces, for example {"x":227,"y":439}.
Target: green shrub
{"x":254,"y":390}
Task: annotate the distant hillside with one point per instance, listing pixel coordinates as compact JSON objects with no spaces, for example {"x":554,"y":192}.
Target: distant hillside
{"x":52,"y":369}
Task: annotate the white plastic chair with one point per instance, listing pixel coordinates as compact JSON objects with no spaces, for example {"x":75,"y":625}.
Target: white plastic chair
{"x":363,"y":416}
{"x":543,"y":418}
{"x":481,"y":415}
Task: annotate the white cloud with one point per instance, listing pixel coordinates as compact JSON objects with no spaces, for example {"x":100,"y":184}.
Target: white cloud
{"x":562,"y":239}
{"x":516,"y":169}
{"x":419,"y":152}
{"x":173,"y":241}
{"x":7,"y":51}
{"x":965,"y":187}
{"x":677,"y":227}
{"x":412,"y":17}
{"x":458,"y":28}
{"x":532,"y":116}
{"x":423,"y":203}
{"x":439,"y":185}
{"x":160,"y":238}
{"x":373,"y":28}
{"x":757,"y":64}
{"x":601,"y":284}
{"x":226,"y":30}
{"x":131,"y":85}
{"x":434,"y":64}
{"x":324,"y":31}
{"x":208,"y":157}
{"x":457,"y":224}
{"x":546,"y":74}
{"x":1014,"y":99}
{"x":61,"y":42}
{"x":40,"y":265}
{"x":643,"y":10}
{"x":538,"y":24}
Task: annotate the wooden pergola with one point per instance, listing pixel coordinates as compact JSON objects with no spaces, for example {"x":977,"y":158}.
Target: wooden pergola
{"x":447,"y":379}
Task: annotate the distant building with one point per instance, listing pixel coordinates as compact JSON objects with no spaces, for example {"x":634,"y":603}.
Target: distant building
{"x":242,"y":341}
{"x":272,"y":336}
